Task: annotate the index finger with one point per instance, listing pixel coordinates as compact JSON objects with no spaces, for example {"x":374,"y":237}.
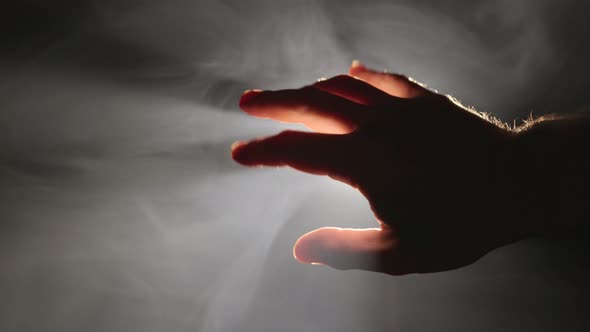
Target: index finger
{"x":318,"y":110}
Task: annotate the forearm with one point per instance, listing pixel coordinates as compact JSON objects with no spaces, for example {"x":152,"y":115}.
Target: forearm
{"x":553,"y":161}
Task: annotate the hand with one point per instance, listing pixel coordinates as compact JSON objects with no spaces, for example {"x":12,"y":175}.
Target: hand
{"x":431,"y":170}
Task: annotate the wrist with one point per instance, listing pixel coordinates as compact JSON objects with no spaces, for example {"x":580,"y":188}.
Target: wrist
{"x":549,"y":176}
{"x":516,"y":187}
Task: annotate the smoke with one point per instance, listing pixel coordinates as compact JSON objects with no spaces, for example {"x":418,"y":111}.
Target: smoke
{"x":122,"y":211}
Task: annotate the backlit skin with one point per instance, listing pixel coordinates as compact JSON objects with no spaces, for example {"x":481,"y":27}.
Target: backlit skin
{"x":433,"y":172}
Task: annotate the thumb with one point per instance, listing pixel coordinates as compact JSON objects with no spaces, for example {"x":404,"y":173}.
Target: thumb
{"x":370,"y":249}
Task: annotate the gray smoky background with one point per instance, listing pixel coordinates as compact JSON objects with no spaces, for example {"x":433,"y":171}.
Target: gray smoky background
{"x":120,"y":207}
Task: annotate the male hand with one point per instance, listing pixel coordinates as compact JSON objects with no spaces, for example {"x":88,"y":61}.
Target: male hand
{"x":433,"y":171}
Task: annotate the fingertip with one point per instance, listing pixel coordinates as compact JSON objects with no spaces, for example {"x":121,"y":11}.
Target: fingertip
{"x":301,"y":254}
{"x":356,"y":64}
{"x":238,"y":153}
{"x":312,"y":247}
{"x":301,"y":251}
{"x":236,"y":144}
{"x":248,"y":96}
{"x":356,"y":67}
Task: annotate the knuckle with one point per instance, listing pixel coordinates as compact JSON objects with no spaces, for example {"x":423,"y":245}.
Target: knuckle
{"x":340,"y":77}
{"x":398,"y":77}
{"x":435,"y":99}
{"x":335,"y":80}
{"x":444,"y":99}
{"x":288,"y":135}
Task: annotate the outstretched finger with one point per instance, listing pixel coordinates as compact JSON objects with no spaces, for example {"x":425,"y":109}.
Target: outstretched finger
{"x":394,"y":84}
{"x":318,"y":110}
{"x":315,"y":153}
{"x":352,"y":249}
{"x":355,"y":89}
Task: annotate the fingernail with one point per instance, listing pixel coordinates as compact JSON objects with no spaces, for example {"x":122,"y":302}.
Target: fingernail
{"x":357,"y":65}
{"x":236,"y":144}
{"x":247,"y":96}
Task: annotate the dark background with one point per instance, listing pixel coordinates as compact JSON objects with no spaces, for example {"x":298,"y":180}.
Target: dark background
{"x":121,"y":209}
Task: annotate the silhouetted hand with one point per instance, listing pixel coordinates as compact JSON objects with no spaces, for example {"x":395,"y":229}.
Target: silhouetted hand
{"x":432,"y":170}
